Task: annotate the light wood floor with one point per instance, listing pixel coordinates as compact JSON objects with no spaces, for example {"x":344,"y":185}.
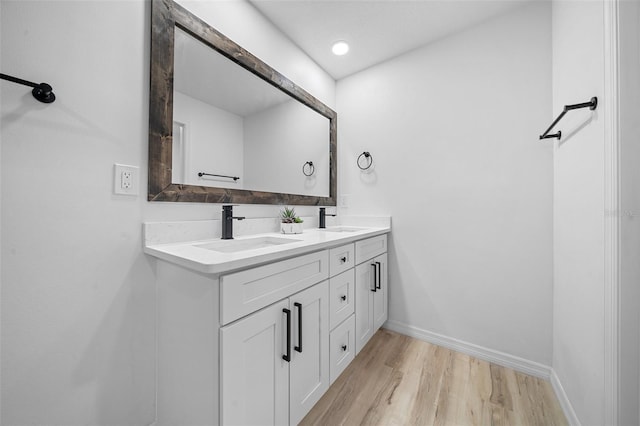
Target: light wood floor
{"x":398,"y":380}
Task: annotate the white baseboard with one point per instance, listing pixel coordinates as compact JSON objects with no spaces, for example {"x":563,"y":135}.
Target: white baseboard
{"x":569,"y":413}
{"x":519,"y":364}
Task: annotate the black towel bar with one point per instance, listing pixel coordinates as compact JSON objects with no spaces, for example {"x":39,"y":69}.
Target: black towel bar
{"x":592,"y":104}
{"x":235,"y":178}
{"x":41,"y":91}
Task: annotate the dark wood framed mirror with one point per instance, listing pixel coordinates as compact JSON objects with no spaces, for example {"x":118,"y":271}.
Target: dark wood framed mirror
{"x":171,"y":22}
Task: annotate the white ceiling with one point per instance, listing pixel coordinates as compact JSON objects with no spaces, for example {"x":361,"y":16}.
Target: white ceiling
{"x":376,"y":30}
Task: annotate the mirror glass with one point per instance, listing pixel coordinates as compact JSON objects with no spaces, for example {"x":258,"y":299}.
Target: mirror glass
{"x":238,"y":131}
{"x":225,"y":127}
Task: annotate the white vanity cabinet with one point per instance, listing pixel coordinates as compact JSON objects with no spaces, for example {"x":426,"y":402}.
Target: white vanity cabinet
{"x":371,"y":288}
{"x":260,"y":344}
{"x":275,"y":363}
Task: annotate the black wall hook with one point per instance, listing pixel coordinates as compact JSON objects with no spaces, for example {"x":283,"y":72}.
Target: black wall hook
{"x":41,"y":91}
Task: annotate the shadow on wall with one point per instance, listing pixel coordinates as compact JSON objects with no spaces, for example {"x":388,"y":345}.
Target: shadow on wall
{"x":59,"y":118}
{"x":369,"y":176}
{"x":571,"y":133}
{"x":27,"y":104}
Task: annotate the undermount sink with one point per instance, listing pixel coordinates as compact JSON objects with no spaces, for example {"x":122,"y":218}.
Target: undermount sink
{"x":234,"y":246}
{"x":342,"y":229}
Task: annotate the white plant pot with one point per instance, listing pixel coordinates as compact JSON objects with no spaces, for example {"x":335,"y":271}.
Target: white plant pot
{"x":291,"y":228}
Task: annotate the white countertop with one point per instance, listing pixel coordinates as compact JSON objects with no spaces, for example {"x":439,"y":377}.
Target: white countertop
{"x":189,"y":255}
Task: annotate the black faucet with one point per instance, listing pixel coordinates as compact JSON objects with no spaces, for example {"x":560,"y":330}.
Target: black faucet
{"x":323,"y":216}
{"x":227,"y":222}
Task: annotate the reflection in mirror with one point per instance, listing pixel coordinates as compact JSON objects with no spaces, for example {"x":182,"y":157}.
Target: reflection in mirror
{"x":225,"y":127}
{"x":239,"y":126}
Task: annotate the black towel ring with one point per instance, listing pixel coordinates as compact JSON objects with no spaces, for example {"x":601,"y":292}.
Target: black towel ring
{"x":369,"y":159}
{"x":312,"y":168}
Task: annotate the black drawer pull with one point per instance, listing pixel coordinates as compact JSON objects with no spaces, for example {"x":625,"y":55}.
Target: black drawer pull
{"x":343,"y":259}
{"x":379,"y":276}
{"x":344,"y":348}
{"x":287,"y":356}
{"x":343,"y":297}
{"x":299,"y":347}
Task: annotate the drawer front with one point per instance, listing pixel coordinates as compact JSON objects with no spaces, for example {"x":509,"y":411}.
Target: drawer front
{"x":341,"y":297}
{"x":341,"y":259}
{"x":244,"y":292}
{"x":370,"y":248}
{"x":342,"y":344}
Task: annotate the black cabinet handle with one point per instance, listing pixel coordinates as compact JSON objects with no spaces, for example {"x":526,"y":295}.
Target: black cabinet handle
{"x":299,"y":347}
{"x":343,"y":297}
{"x":287,"y":356}
{"x":343,"y":259}
{"x":344,"y":348}
{"x":379,"y":286}
{"x":375,"y":270}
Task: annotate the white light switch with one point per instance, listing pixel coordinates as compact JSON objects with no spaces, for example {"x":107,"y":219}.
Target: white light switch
{"x":125,"y":180}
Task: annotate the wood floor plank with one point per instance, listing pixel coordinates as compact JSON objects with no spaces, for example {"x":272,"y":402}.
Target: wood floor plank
{"x":431,"y":368}
{"x":397,"y":381}
{"x":500,"y":392}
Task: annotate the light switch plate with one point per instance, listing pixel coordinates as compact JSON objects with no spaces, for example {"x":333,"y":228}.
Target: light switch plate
{"x":126,"y":179}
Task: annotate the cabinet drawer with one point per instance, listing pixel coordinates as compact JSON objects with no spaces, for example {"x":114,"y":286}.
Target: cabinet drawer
{"x":342,"y":344}
{"x":341,"y":259}
{"x":371,"y":247}
{"x":341,"y":297}
{"x":247,"y":291}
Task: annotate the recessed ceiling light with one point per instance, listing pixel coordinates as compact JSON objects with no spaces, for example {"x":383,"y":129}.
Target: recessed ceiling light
{"x":340,"y":48}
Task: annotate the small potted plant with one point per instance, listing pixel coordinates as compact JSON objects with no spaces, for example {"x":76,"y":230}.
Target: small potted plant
{"x":290,"y":222}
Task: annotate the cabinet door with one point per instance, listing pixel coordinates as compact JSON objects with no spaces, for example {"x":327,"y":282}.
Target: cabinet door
{"x":254,"y":386}
{"x":364,"y":303}
{"x":309,"y":368}
{"x":380,"y":303}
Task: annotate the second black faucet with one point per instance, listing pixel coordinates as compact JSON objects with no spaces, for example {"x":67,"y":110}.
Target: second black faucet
{"x":323,"y":217}
{"x":227,"y":222}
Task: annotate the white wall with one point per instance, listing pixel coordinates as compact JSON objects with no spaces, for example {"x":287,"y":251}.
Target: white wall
{"x":453,"y":129}
{"x":578,"y":332}
{"x":78,"y":295}
{"x":282,"y":139}
{"x":77,"y":292}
